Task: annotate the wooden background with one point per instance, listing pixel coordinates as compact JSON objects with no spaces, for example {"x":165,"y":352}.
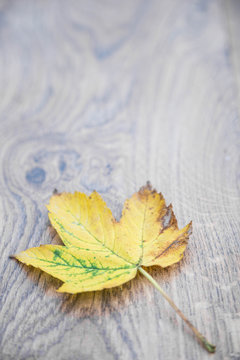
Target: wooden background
{"x":105,"y":95}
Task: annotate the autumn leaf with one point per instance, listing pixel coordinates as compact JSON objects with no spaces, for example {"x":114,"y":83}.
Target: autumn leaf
{"x":100,"y":252}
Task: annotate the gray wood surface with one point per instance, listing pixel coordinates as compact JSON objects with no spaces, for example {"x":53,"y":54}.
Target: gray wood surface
{"x":106,"y":95}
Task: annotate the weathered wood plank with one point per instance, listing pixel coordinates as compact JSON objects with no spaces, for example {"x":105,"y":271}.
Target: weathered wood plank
{"x":232,"y":8}
{"x":106,"y":95}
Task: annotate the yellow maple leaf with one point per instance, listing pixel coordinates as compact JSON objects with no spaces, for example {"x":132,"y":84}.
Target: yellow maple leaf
{"x":100,"y":252}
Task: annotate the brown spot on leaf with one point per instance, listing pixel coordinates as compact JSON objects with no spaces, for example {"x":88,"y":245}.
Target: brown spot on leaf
{"x":168,"y":218}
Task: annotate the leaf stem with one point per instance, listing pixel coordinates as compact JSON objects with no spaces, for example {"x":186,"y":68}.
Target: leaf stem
{"x":204,"y":342}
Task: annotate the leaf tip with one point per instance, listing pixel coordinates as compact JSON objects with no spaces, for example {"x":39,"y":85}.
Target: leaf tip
{"x":59,"y":290}
{"x":17,"y":257}
{"x":64,"y":288}
{"x":148,"y":184}
{"x":147,"y":189}
{"x":55,"y":191}
{"x":189,"y":228}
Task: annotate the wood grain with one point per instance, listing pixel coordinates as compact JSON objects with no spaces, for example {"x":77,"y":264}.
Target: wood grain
{"x":105,"y":95}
